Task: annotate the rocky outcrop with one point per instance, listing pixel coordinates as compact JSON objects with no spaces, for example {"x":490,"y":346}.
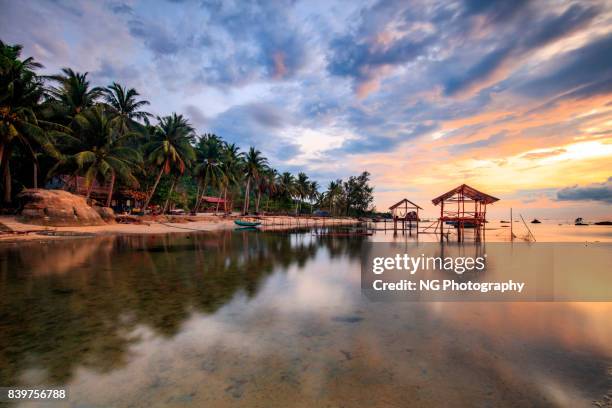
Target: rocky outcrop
{"x":57,"y":208}
{"x":106,"y":213}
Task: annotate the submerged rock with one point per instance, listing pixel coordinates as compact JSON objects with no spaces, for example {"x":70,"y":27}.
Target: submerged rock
{"x":57,"y":208}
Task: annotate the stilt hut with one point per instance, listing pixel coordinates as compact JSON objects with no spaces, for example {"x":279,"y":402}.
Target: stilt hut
{"x":464,"y":207}
{"x":405,"y":211}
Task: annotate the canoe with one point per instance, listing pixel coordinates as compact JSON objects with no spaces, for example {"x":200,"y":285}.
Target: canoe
{"x":247,"y":223}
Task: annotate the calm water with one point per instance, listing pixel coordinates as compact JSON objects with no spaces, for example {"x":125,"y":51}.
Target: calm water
{"x":276,"y":319}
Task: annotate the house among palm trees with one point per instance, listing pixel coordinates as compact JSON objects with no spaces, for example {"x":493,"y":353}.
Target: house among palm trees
{"x":121,"y":200}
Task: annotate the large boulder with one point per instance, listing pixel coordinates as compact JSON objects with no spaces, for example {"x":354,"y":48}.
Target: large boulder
{"x":57,"y":208}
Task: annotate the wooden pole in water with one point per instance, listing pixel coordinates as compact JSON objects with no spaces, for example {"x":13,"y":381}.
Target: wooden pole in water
{"x":511,"y":222}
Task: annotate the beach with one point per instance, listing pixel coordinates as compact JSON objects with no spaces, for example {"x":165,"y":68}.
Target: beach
{"x":20,"y":231}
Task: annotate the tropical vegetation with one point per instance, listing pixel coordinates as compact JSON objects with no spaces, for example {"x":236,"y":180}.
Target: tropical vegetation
{"x":62,"y":125}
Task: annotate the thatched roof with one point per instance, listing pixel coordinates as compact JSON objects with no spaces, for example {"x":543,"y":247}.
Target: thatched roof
{"x":469,"y":192}
{"x":405,"y":200}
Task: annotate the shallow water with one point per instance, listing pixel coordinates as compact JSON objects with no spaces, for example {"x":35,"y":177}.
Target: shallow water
{"x":275,"y":319}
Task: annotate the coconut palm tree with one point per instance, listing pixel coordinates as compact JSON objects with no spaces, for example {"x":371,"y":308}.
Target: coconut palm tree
{"x":302,"y":185}
{"x":334,"y":190}
{"x":99,"y":151}
{"x":170,"y":147}
{"x":209,"y":170}
{"x":231,"y":165}
{"x":20,"y":95}
{"x":73,"y":94}
{"x":126,"y":107}
{"x":287,"y":185}
{"x":313,"y":194}
{"x":254,"y":165}
{"x":271,"y":185}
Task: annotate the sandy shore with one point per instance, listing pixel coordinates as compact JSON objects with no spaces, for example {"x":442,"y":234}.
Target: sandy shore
{"x":19,"y":231}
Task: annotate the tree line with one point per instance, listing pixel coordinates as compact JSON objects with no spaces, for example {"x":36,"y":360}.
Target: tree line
{"x":62,"y":125}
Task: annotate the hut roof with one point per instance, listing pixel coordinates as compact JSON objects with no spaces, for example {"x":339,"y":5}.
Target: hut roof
{"x":469,"y":192}
{"x":212,"y":200}
{"x":405,"y":200}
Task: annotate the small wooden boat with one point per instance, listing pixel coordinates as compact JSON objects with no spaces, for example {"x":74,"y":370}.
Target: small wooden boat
{"x":536,"y":221}
{"x":603,"y":223}
{"x":243,"y":223}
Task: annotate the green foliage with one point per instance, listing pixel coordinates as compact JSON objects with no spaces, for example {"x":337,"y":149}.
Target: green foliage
{"x":71,"y":127}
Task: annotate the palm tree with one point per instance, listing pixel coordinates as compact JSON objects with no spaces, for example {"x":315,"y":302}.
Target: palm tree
{"x":170,"y":147}
{"x":313,"y":194}
{"x":126,"y":107}
{"x":208,"y":171}
{"x":334,"y":189}
{"x":287,"y":185}
{"x":302,"y":189}
{"x":73,"y":93}
{"x":254,"y":165}
{"x":271,"y":184}
{"x":100,"y":152}
{"x":231,"y":165}
{"x":20,"y":96}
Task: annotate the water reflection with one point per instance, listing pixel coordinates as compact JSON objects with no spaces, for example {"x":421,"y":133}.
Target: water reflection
{"x":275,"y":319}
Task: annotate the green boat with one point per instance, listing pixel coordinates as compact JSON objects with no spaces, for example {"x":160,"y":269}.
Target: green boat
{"x":247,"y":223}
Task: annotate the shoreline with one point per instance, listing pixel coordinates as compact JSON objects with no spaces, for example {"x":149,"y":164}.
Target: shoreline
{"x":17,"y":231}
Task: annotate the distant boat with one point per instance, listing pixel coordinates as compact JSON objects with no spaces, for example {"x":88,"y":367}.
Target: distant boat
{"x":580,"y":221}
{"x":603,"y":223}
{"x":504,"y":222}
{"x":536,"y":221}
{"x":247,"y":223}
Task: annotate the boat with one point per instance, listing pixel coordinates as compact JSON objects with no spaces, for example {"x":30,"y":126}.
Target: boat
{"x":536,"y":221}
{"x":579,"y":221}
{"x":603,"y":223}
{"x":246,"y":229}
{"x":243,"y":223}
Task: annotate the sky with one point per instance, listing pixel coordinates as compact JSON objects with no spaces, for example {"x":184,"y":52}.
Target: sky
{"x":511,"y":97}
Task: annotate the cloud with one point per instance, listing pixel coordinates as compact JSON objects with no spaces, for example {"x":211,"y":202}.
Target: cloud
{"x":155,"y":36}
{"x":197,"y":117}
{"x":595,"y":192}
{"x":121,"y":8}
{"x":583,"y":72}
{"x":544,"y":154}
{"x":531,"y":34}
{"x":487,"y":142}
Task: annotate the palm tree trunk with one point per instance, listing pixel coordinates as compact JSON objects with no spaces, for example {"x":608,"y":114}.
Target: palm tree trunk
{"x":169,"y":194}
{"x":7,"y":182}
{"x":225,"y":200}
{"x":146,"y":204}
{"x":89,"y":188}
{"x":199,"y":199}
{"x":217,"y":207}
{"x":111,"y":188}
{"x":246,"y":196}
{"x":35,"y":176}
{"x":258,"y":200}
{"x":195,"y":209}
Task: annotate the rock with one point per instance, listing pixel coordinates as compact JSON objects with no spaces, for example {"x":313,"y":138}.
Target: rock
{"x":57,"y":208}
{"x":106,"y":213}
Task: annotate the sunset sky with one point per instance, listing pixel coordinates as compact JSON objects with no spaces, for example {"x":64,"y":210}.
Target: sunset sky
{"x":511,"y":97}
